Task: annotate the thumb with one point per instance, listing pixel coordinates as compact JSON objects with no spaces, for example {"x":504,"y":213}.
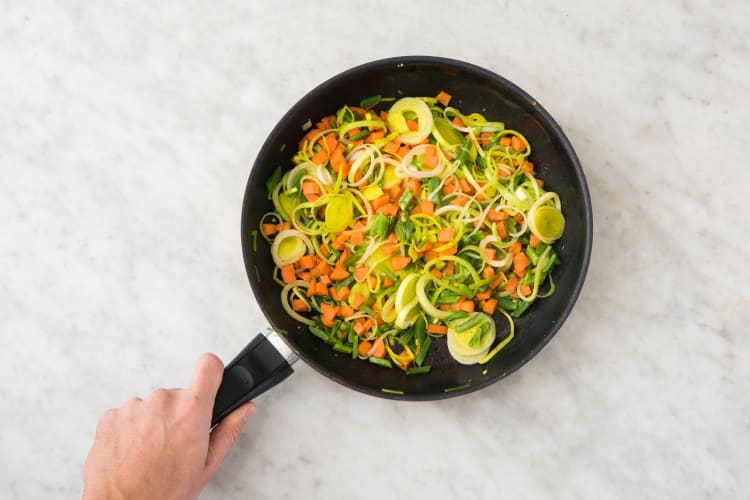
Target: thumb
{"x":224,"y":436}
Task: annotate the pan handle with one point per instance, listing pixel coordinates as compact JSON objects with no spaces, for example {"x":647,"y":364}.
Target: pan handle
{"x":262,"y":364}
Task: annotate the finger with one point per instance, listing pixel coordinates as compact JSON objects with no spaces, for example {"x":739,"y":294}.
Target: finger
{"x":206,"y":376}
{"x":224,"y":436}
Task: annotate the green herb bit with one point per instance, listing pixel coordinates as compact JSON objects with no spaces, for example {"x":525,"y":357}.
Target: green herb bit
{"x":423,"y":351}
{"x":342,"y":348}
{"x":418,"y":370}
{"x":369,"y":102}
{"x":380,"y":362}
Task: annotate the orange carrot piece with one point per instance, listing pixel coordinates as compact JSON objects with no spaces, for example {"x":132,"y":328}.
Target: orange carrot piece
{"x":520,"y":263}
{"x":436,"y":272}
{"x":389,"y":249}
{"x":341,"y":295}
{"x":361,"y":272}
{"x":427,"y":207}
{"x":324,"y":250}
{"x":339,"y":273}
{"x":268,"y":229}
{"x":505,"y":141}
{"x":379,"y":202}
{"x":345,"y":310}
{"x":511,"y":284}
{"x":467,"y":188}
{"x":379,"y":348}
{"x":415,"y":186}
{"x":390,"y":209}
{"x":460,"y":201}
{"x":483,"y":295}
{"x":446,"y":234}
{"x":387,"y":282}
{"x":444,"y":98}
{"x":300,"y":305}
{"x":395,"y":192}
{"x":320,"y":157}
{"x":364,"y":348}
{"x":310,"y":187}
{"x":458,"y":121}
{"x":449,"y":268}
{"x":526,"y":290}
{"x":489,"y":306}
{"x":287,"y":274}
{"x":403,"y":151}
{"x":392,"y":147}
{"x":338,"y":161}
{"x":451,"y":250}
{"x":437,"y":329}
{"x":467,"y":306}
{"x":357,"y":238}
{"x":515,"y":247}
{"x":496,"y":215}
{"x":534,"y":241}
{"x":413,"y":126}
{"x":517,"y":144}
{"x":305,"y":276}
{"x":398,"y":262}
{"x":306,"y":262}
{"x":488,"y":272}
{"x":357,"y":300}
{"x":489,"y":253}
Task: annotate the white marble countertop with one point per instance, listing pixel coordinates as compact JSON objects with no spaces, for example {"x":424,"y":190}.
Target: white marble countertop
{"x":126,"y":136}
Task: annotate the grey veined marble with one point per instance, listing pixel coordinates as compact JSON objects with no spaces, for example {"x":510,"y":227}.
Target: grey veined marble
{"x":127,"y":131}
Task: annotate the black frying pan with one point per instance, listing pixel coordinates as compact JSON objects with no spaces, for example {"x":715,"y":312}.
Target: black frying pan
{"x":261,"y":365}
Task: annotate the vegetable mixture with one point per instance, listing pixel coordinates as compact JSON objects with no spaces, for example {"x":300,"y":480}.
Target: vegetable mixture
{"x":415,"y":222}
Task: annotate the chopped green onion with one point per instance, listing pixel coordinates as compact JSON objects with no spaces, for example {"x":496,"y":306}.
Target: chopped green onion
{"x":369,"y":102}
{"x":460,"y":387}
{"x":342,"y":348}
{"x":405,"y":199}
{"x":423,"y":351}
{"x":274,"y":180}
{"x":420,"y":330}
{"x":391,"y":391}
{"x":380,"y":362}
{"x":318,"y":333}
{"x":418,"y":370}
{"x":473,"y":321}
{"x":255,"y":240}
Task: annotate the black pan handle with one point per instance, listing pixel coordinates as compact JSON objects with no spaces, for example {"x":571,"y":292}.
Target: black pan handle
{"x":262,"y":364}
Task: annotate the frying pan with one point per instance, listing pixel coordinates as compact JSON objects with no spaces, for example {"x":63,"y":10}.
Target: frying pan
{"x":267,"y":359}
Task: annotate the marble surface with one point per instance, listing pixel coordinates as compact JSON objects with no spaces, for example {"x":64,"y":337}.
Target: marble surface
{"x":126,"y":135}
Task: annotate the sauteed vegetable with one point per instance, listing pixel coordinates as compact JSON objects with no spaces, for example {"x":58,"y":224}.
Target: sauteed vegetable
{"x":417,"y":221}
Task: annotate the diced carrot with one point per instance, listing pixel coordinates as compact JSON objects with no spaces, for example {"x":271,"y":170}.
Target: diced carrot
{"x":379,"y":348}
{"x":527,"y":167}
{"x":311,"y":196}
{"x":324,"y":250}
{"x":360,"y":327}
{"x":268,"y":229}
{"x":458,"y":121}
{"x":511,"y":284}
{"x":374,"y":136}
{"x":515,"y":247}
{"x":359,"y":142}
{"x":465,"y":186}
{"x":398,"y":262}
{"x":484,"y":138}
{"x":331,"y":142}
{"x":341,"y":295}
{"x":437,"y":329}
{"x":483,"y":295}
{"x":323,"y":268}
{"x":393,"y":238}
{"x":306,"y":262}
{"x":354,"y":131}
{"x":427,"y":207}
{"x":430,"y":159}
{"x":345,"y":310}
{"x":443,"y":98}
{"x":449,"y":268}
{"x":534,"y":241}
{"x":379,"y":202}
{"x":415,"y":186}
{"x":496,"y":215}
{"x":488,"y":272}
{"x":499,"y":279}
{"x":505,"y":141}
{"x":320,"y":157}
{"x":540,"y":182}
{"x":357,"y":238}
{"x":364,"y":348}
{"x":413,"y":126}
{"x":392,"y":147}
{"x":328,"y":309}
{"x":383,"y":115}
{"x":451,"y":250}
{"x":339,"y":273}
{"x":436,"y":272}
{"x":305,"y":276}
{"x":526,"y":290}
{"x":489,"y":253}
{"x":520,"y":263}
{"x":321,"y":287}
{"x":450,"y":185}
{"x":387,"y":282}
{"x":390,"y":209}
{"x":311,"y":288}
{"x":403,"y":151}
{"x":517,"y":144}
{"x":338,"y":161}
{"x":460,"y":201}
{"x":372,"y":281}
{"x":300,"y":305}
{"x":357,"y":300}
{"x":467,"y":306}
{"x":519,"y":218}
{"x":395,"y":192}
{"x":287,"y":274}
{"x":502,"y":231}
{"x":446,"y":234}
{"x":489,"y":306}
{"x":389,"y":249}
{"x":340,"y":242}
{"x":283,"y":226}
{"x":427,"y":245}
{"x":361,"y":272}
{"x":325,"y":279}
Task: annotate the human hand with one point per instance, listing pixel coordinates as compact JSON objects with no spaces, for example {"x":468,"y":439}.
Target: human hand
{"x":160,"y":448}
